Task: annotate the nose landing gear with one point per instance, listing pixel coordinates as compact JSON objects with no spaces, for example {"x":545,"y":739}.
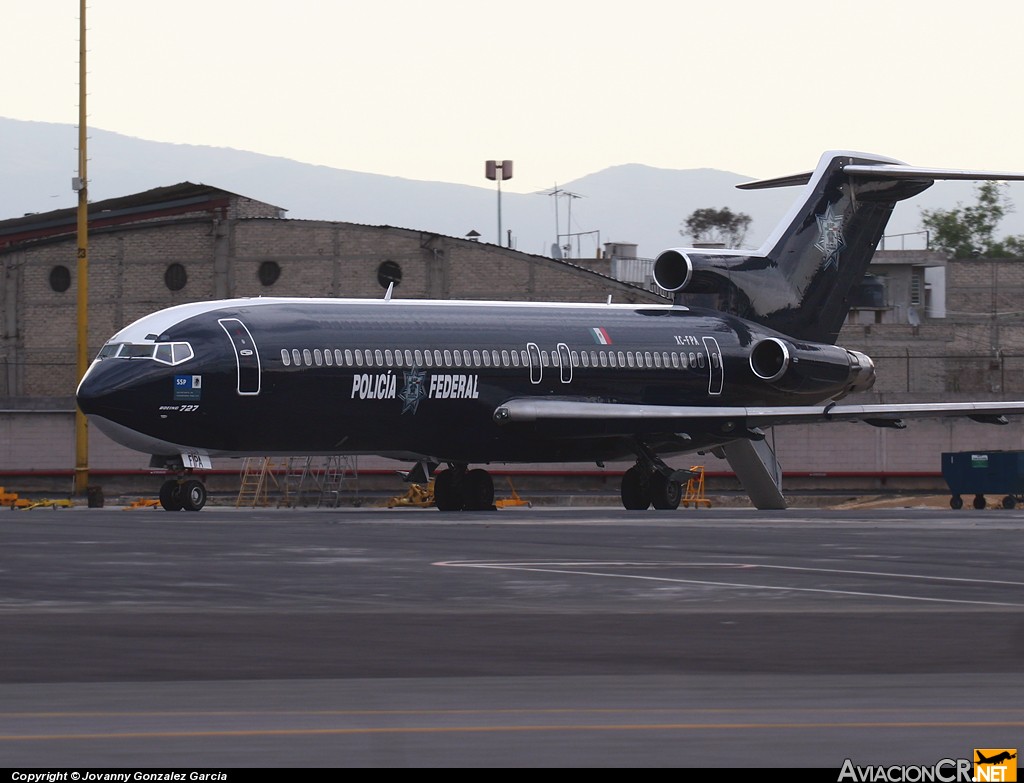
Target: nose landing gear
{"x":188,"y":494}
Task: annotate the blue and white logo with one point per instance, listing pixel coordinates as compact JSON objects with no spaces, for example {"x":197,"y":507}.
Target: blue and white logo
{"x":188,"y":387}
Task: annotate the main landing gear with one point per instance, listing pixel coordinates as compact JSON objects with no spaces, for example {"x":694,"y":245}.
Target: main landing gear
{"x":184,"y":493}
{"x":459,"y":489}
{"x":650,"y":482}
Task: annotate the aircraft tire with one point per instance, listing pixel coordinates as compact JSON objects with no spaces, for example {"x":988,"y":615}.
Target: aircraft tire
{"x":478,"y":491}
{"x":665,"y":494}
{"x":635,"y":490}
{"x":1009,"y":502}
{"x":193,"y":495}
{"x":447,"y":496}
{"x":170,"y":496}
{"x":956,"y":502}
{"x":979,"y":502}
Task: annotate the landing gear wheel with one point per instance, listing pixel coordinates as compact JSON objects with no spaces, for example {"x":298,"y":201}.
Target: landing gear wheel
{"x":979,"y":502}
{"x":193,"y":495}
{"x":447,"y":496}
{"x":956,"y":502}
{"x":478,"y":491}
{"x":170,"y":496}
{"x":665,"y":493}
{"x":1009,"y":502}
{"x":636,"y":490}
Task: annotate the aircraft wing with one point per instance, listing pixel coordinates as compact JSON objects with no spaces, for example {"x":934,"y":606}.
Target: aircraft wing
{"x":676,"y":417}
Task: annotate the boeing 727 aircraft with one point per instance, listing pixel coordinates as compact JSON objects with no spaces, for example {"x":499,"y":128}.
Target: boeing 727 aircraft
{"x":469,"y":382}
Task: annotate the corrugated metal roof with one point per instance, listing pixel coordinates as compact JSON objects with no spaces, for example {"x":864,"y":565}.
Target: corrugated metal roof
{"x":183,"y":197}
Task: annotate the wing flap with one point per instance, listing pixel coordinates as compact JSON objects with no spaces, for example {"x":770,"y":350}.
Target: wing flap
{"x":676,"y":417}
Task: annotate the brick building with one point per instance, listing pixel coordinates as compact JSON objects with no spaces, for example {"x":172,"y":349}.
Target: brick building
{"x":192,"y":242}
{"x":187,"y":243}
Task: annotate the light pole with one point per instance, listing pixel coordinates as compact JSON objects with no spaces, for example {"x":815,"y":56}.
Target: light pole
{"x":498,"y":170}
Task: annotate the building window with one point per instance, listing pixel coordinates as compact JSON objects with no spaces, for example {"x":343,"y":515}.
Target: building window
{"x":60,"y":279}
{"x":389,"y":272}
{"x":175,"y":277}
{"x":268,"y":272}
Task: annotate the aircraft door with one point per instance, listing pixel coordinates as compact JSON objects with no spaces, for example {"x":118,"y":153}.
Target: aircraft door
{"x":565,"y":362}
{"x":247,"y":357}
{"x":716,"y":372}
{"x":536,"y":368}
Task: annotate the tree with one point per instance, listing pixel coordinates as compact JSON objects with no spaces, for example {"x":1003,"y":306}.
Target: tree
{"x":969,"y":232}
{"x":718,"y":226}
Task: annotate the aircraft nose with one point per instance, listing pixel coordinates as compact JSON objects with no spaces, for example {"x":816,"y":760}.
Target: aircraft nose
{"x":91,"y":392}
{"x":107,"y":388}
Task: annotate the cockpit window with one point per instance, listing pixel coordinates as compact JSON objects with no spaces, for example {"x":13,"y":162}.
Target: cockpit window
{"x":165,"y":353}
{"x":133,"y":351}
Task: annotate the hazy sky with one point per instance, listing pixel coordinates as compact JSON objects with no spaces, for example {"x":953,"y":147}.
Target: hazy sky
{"x":429,"y":90}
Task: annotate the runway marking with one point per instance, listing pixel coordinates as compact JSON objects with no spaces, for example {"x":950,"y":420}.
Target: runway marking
{"x":508,"y":728}
{"x":564,"y":566}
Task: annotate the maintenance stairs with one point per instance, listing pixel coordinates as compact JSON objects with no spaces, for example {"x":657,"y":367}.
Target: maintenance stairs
{"x":298,"y":481}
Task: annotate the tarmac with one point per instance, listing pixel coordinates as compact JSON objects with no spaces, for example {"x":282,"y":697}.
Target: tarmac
{"x":723,"y":637}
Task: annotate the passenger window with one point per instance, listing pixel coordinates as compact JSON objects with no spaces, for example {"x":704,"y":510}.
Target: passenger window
{"x":379,"y":357}
{"x":398,"y":357}
{"x":629,"y":358}
{"x":648,"y":361}
{"x":495,"y":358}
{"x":286,"y":358}
{"x":359,"y":359}
{"x":575,"y":359}
{"x":428,"y":359}
{"x":487,"y":359}
{"x":693,"y":360}
{"x":515,"y":358}
{"x":457,"y":355}
{"x":612,"y":360}
{"x":437,"y":358}
{"x":307,"y":357}
{"x":296,"y":358}
{"x":368,"y":357}
{"x":447,"y":358}
{"x":476,"y":358}
{"x":657,"y":359}
{"x":700,"y":360}
{"x":544,"y":358}
{"x":586,"y":359}
{"x":419,"y":358}
{"x":318,"y":356}
{"x":408,"y":357}
{"x":467,"y":359}
{"x":338,"y":357}
{"x":675,"y":360}
{"x":388,"y":357}
{"x":328,"y":357}
{"x":504,"y":358}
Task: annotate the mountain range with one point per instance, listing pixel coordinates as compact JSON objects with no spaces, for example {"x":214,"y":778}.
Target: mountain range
{"x":630,"y":203}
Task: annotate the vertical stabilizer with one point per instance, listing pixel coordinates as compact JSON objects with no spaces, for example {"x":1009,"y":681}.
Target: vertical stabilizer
{"x":801,"y":279}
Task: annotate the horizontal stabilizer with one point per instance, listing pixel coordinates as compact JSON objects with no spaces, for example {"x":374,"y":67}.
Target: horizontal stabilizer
{"x":886,"y":171}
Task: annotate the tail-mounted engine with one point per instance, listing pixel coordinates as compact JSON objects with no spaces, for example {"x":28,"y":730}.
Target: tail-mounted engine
{"x":808,"y":368}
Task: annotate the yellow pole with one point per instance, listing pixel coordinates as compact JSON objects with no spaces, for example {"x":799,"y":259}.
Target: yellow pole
{"x":81,"y":425}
